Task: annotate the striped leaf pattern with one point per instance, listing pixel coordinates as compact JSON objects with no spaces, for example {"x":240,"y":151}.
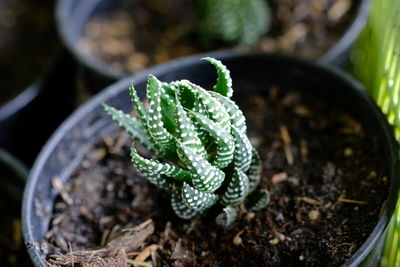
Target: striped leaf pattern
{"x":237,"y":189}
{"x":233,"y":21}
{"x":197,"y":199}
{"x":198,"y":139}
{"x":227,"y":216}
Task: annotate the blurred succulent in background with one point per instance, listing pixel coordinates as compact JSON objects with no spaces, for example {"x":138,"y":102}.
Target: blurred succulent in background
{"x":233,"y":21}
{"x":200,"y":149}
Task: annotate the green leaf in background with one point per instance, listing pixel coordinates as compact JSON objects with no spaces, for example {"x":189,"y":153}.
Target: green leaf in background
{"x":376,"y":63}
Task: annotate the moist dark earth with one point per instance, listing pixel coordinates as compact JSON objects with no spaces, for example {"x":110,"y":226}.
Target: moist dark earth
{"x":327,"y":179}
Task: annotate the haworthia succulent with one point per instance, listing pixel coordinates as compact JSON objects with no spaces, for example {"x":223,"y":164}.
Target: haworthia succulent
{"x":254,"y":171}
{"x":227,"y":216}
{"x":224,"y":81}
{"x":233,"y":21}
{"x":200,"y":149}
{"x":197,"y":199}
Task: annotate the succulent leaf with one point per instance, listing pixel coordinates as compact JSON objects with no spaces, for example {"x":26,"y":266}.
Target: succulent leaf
{"x":258,"y":200}
{"x":187,"y":133}
{"x":155,"y":123}
{"x":254,"y":172}
{"x":181,"y":208}
{"x":236,"y":115}
{"x":224,"y":140}
{"x":237,"y":189}
{"x":131,"y":125}
{"x":206,"y":177}
{"x":224,"y":81}
{"x":197,"y":199}
{"x":243,"y":150}
{"x":227,"y":216}
{"x":214,"y":109}
{"x":156,"y":167}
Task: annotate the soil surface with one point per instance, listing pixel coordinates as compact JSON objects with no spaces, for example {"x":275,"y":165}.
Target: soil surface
{"x":138,"y":34}
{"x":28,"y":44}
{"x":324,"y":170}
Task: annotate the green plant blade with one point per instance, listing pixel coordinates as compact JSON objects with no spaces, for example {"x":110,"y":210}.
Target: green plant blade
{"x":156,"y":128}
{"x":224,"y":140}
{"x":254,"y":172}
{"x":155,"y":167}
{"x":224,"y":81}
{"x":197,"y":199}
{"x":131,"y":125}
{"x":236,"y":115}
{"x":187,"y":133}
{"x":206,"y":177}
{"x":243,"y":150}
{"x":227,"y":216}
{"x":237,"y":189}
{"x":259,"y":200}
{"x":181,"y":209}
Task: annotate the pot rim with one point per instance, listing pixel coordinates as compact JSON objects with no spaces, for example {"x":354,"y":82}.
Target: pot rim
{"x":85,"y":7}
{"x":112,"y":90}
{"x":15,"y":164}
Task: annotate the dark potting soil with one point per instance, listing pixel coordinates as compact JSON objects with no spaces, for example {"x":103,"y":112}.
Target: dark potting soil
{"x":147,"y":32}
{"x":12,"y":248}
{"x":28,"y":44}
{"x":324,"y":170}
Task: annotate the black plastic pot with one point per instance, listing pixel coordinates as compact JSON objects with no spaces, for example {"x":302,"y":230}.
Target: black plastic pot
{"x":73,"y":15}
{"x":13,"y":176}
{"x":65,"y":150}
{"x":27,"y":121}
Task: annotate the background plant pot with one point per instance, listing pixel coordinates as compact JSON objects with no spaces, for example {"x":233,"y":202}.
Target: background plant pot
{"x":73,"y":15}
{"x":29,"y":119}
{"x":13,"y":177}
{"x":65,"y":150}
{"x":33,"y":100}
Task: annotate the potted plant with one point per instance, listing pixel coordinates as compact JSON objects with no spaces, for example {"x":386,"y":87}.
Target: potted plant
{"x":115,"y":38}
{"x":13,"y":174}
{"x":327,"y":155}
{"x":29,"y":54}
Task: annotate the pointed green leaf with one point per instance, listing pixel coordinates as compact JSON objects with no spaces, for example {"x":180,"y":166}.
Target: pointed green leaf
{"x":243,"y":150}
{"x":159,"y":180}
{"x":155,"y":124}
{"x":206,"y":177}
{"x":197,"y":199}
{"x":224,"y":81}
{"x":237,"y":189}
{"x":236,"y":115}
{"x":181,"y":209}
{"x":214,"y":109}
{"x":187,"y":132}
{"x":156,"y":167}
{"x":254,"y":172}
{"x":131,"y":125}
{"x":227,"y":216}
{"x":259,"y":200}
{"x":224,"y":140}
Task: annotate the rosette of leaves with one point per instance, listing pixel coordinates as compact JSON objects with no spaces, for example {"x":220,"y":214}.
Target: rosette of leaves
{"x":199,"y":145}
{"x":233,"y":21}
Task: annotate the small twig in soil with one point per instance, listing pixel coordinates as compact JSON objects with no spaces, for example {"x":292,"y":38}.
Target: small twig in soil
{"x":308,"y":200}
{"x":145,"y":253}
{"x":287,"y":141}
{"x":352,"y":201}
{"x":58,"y":185}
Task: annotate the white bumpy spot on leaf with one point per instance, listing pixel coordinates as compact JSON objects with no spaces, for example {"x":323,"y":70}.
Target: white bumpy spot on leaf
{"x":197,"y":199}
